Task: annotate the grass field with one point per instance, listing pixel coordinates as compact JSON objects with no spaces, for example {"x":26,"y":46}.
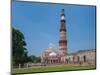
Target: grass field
{"x":51,"y":69}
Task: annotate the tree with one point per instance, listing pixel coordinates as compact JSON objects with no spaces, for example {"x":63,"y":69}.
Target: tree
{"x":38,"y":59}
{"x":34,"y":59}
{"x":19,"y":51}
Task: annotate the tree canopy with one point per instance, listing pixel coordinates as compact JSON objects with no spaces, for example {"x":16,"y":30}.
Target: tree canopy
{"x":34,"y":59}
{"x":19,"y":51}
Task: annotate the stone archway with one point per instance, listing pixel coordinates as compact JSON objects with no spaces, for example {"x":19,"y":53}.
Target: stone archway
{"x":78,"y":59}
{"x":84,"y":58}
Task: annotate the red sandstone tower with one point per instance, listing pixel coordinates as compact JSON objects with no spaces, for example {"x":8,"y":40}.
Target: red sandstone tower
{"x":63,"y":41}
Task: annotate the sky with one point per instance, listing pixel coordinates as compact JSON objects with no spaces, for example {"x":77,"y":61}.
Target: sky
{"x":40,"y":24}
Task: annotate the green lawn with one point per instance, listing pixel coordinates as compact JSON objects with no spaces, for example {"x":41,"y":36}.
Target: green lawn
{"x":51,"y":69}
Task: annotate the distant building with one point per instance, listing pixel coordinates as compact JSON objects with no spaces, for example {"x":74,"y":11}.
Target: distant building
{"x":86,"y":57}
{"x":49,"y":56}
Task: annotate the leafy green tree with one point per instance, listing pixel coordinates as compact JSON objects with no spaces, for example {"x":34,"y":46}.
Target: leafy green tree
{"x":34,"y":59}
{"x":38,"y":59}
{"x":19,"y":51}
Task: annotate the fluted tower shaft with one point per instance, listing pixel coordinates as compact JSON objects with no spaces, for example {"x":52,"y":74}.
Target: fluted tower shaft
{"x":63,"y":41}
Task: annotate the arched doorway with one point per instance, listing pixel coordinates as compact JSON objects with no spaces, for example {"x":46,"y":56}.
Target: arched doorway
{"x":78,"y":59}
{"x":84,"y":58}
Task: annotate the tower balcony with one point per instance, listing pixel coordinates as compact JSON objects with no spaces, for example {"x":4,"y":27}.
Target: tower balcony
{"x":62,"y":30}
{"x":63,"y":41}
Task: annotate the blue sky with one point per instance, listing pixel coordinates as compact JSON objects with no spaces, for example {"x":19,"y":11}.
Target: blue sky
{"x":40,"y":23}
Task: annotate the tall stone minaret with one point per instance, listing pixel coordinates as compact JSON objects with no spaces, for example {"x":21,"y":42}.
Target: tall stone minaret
{"x":62,"y":41}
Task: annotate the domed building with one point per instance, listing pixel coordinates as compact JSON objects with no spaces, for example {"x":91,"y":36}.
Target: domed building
{"x":50,"y":56}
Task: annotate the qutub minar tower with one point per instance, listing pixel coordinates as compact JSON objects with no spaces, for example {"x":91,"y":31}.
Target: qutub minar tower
{"x":52,"y":57}
{"x":63,"y":41}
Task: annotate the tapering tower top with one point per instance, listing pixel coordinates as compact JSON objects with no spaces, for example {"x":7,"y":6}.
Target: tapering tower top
{"x":62,"y":15}
{"x":63,"y":27}
{"x":62,"y":11}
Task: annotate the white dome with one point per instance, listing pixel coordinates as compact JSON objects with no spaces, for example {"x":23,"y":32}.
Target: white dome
{"x":52,"y":54}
